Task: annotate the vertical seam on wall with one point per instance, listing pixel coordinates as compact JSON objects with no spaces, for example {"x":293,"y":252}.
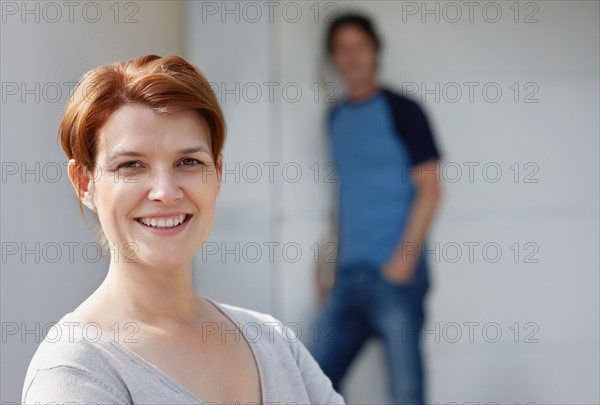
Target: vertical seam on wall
{"x":275,"y":153}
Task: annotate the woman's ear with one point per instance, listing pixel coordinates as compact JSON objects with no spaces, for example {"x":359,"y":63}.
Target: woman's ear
{"x":219,"y":166}
{"x":82,"y":183}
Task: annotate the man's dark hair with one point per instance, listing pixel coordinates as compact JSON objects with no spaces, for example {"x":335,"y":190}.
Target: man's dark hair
{"x":356,"y":20}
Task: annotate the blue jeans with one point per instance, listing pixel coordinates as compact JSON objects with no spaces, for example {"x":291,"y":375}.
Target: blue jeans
{"x":363,"y":304}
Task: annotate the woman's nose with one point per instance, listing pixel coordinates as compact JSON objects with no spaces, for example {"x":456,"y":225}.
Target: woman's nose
{"x":165,"y":187}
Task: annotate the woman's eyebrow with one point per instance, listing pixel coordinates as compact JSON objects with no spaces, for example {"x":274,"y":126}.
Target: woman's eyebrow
{"x":194,"y":149}
{"x":133,"y":153}
{"x":119,"y":153}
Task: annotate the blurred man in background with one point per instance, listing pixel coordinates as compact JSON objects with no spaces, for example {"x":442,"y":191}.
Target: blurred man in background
{"x":389,"y":192}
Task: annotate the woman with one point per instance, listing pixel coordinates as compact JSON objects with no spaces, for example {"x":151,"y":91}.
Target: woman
{"x":144,"y":139}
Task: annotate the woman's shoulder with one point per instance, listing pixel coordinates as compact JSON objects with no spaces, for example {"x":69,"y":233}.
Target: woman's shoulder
{"x":70,"y":351}
{"x":283,"y":351}
{"x":251,"y":320}
{"x":243,"y":313}
{"x":67,"y":342}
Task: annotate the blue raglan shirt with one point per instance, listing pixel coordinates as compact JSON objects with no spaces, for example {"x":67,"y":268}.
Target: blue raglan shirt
{"x":376,"y":191}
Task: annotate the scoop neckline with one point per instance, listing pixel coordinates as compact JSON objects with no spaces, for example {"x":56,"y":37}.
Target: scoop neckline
{"x":166,"y":378}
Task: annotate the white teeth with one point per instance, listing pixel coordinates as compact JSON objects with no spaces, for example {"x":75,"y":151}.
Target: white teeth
{"x":163,"y":222}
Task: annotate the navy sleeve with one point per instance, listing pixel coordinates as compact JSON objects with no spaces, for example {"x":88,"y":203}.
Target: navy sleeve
{"x":413,"y":127}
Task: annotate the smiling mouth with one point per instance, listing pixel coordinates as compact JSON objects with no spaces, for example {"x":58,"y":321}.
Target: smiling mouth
{"x":164,"y":223}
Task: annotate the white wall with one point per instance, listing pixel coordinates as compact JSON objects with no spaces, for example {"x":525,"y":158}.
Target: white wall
{"x":37,"y":291}
{"x":558,"y":214}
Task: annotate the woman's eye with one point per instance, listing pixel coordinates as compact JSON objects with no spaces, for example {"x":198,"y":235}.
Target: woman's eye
{"x":130,"y":165}
{"x":190,"y":162}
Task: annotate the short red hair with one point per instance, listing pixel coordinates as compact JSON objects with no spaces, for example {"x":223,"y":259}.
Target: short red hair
{"x":165,"y":84}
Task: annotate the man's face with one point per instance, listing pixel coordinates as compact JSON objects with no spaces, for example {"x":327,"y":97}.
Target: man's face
{"x":353,"y":54}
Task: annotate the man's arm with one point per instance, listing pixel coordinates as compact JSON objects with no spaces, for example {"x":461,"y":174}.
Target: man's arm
{"x":426,"y":178}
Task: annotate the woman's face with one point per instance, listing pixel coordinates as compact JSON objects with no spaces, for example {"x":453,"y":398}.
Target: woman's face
{"x":155,"y":171}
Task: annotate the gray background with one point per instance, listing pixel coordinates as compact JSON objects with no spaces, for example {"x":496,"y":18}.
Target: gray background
{"x":552,"y":204}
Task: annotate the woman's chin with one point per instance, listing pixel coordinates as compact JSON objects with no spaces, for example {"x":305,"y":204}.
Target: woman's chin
{"x":164,"y":255}
{"x":165,"y":262}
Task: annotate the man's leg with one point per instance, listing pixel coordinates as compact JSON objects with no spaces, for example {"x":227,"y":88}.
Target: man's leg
{"x":341,"y":329}
{"x":399,"y":317}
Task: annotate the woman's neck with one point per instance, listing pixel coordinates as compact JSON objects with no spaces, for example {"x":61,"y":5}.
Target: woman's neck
{"x":150,"y":294}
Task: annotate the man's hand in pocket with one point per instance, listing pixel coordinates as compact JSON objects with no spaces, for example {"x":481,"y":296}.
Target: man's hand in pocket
{"x":399,"y":269}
